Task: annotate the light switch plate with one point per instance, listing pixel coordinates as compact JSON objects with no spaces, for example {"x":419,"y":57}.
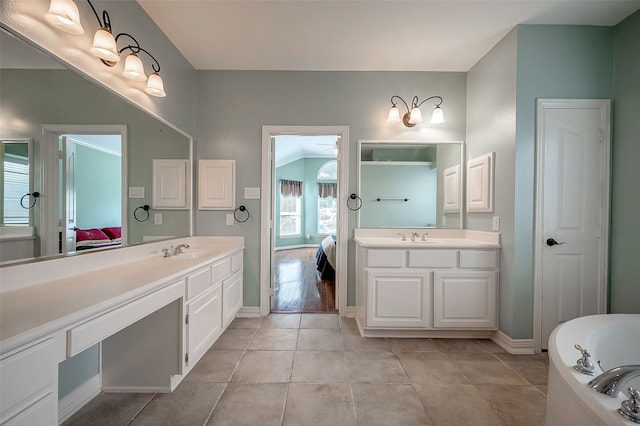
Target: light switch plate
{"x":136,"y":192}
{"x":157,"y":218}
{"x":252,"y":193}
{"x":229,"y":219}
{"x":495,"y":223}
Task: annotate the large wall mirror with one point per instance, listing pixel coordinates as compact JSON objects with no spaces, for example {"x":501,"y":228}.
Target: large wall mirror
{"x":77,"y":132}
{"x":410,"y":184}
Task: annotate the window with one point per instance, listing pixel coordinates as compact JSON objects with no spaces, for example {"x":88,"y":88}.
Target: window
{"x":327,"y":198}
{"x":16,"y":184}
{"x":290,"y":216}
{"x":290,"y":208}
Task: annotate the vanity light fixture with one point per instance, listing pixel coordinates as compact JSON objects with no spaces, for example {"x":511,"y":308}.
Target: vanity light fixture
{"x":413,"y":115}
{"x":63,"y":14}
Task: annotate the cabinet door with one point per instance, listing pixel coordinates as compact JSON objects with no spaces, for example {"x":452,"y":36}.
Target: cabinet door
{"x":231,"y":297}
{"x":205,"y":323}
{"x":216,"y":184}
{"x":398,"y":299}
{"x":170,"y":184}
{"x":465,"y":299}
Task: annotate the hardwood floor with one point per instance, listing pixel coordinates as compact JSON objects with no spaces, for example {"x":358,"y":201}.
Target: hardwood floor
{"x":297,"y":285}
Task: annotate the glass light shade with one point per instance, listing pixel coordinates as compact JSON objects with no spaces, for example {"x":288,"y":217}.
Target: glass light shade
{"x":133,"y":68}
{"x":437,"y":116}
{"x":394,"y":115}
{"x":104,"y":46}
{"x":63,"y":14}
{"x":416,"y":116}
{"x":155,"y":87}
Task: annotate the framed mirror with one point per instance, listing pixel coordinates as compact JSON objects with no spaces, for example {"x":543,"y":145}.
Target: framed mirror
{"x":43,"y":101}
{"x":410,"y":184}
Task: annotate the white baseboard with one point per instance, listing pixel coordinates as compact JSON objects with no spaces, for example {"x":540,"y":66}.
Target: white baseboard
{"x":249,"y":312}
{"x":350,"y":312}
{"x":513,"y":346}
{"x":77,"y":398}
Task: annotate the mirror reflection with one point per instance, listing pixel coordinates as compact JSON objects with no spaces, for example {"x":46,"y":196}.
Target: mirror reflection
{"x":14,"y":183}
{"x":410,"y":184}
{"x":65,"y":115}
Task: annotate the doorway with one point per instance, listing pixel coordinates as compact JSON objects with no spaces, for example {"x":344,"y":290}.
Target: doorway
{"x":285,"y":229}
{"x":572,"y":212}
{"x":83,"y":181}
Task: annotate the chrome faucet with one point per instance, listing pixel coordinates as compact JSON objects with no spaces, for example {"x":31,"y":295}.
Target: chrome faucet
{"x":611,"y":381}
{"x":180,"y":248}
{"x":166,"y":252}
{"x":424,"y":236}
{"x":403,"y":237}
{"x":414,"y":235}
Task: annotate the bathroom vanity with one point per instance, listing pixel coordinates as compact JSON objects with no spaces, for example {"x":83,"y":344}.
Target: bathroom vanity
{"x":153,"y":317}
{"x":427,"y":283}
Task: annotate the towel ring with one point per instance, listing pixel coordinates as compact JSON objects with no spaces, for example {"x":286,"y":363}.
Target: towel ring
{"x":35,"y":196}
{"x":146,"y":209}
{"x":242,"y":209}
{"x":358,"y":202}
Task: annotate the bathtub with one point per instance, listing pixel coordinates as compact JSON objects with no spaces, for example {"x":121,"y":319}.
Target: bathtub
{"x":614,"y":340}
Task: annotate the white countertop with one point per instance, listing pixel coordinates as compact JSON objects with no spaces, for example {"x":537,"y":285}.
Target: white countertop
{"x":436,"y":238}
{"x":35,"y":311}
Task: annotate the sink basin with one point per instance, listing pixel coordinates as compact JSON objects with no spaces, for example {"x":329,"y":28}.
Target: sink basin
{"x":188,"y":254}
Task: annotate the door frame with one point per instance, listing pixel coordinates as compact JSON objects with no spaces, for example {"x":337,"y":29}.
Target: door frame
{"x":267,"y":208}
{"x":49,"y":175}
{"x":605,"y":165}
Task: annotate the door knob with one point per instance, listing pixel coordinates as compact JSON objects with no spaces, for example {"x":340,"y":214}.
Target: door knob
{"x":551,"y":242}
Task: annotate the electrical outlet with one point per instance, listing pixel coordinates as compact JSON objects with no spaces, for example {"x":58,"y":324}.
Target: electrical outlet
{"x":495,"y":225}
{"x":229,"y":219}
{"x":157,"y":218}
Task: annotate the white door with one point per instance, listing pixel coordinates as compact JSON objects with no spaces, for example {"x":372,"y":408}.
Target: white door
{"x":572,"y":211}
{"x":69,"y":184}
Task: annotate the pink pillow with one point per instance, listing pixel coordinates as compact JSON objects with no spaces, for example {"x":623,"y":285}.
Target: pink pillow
{"x":89,"y":237}
{"x":114,"y":232}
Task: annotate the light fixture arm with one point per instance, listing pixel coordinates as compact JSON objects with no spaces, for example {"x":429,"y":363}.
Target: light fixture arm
{"x":106,"y":20}
{"x":416,"y":104}
{"x":136,"y":48}
{"x":393,"y":104}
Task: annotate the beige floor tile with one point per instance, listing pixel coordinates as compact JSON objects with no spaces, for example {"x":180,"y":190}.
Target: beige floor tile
{"x":274,"y":339}
{"x":189,"y":404}
{"x":329,"y":339}
{"x":215,"y":366}
{"x":516,"y":405}
{"x":245,"y":404}
{"x":348,"y":323}
{"x":430,"y":368}
{"x":234,"y":339}
{"x":110,"y":409}
{"x":320,"y":367}
{"x":490,"y":346}
{"x":375,"y":367}
{"x":457,"y":405}
{"x":319,"y":404}
{"x":485,"y":369}
{"x":459,"y":345}
{"x":319,"y":321}
{"x":353,"y":342}
{"x":413,"y":345}
{"x":533,"y":368}
{"x":264,"y":367}
{"x":388,"y":404}
{"x":281,"y":321}
{"x":246,"y":323}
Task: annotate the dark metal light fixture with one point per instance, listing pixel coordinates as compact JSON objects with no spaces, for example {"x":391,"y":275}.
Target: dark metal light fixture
{"x":413,"y":115}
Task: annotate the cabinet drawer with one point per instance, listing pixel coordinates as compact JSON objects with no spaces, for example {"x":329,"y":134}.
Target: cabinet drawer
{"x":479,"y":259}
{"x":236,"y":262}
{"x":433,"y":258}
{"x":221,"y":269}
{"x":386,"y":258}
{"x":198,"y":282}
{"x":98,"y":329}
{"x":27,"y":377}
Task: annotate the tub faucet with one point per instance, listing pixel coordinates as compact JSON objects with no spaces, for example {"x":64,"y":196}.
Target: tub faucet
{"x":180,"y":248}
{"x":611,"y":381}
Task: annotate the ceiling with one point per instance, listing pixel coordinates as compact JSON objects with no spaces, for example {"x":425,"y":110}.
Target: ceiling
{"x":359,"y":35}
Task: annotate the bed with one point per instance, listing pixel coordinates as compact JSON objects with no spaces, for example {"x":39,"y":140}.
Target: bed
{"x":87,"y":239}
{"x":326,"y":258}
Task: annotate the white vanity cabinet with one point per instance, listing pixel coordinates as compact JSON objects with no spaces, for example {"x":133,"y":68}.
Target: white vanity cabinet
{"x":426,"y":288}
{"x":29,"y":385}
{"x":232,"y":290}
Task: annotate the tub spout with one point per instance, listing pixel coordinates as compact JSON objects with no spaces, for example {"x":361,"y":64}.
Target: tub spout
{"x":611,"y":381}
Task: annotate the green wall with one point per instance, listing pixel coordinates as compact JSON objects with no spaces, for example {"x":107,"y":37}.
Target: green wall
{"x":98,"y":188}
{"x":625,"y":203}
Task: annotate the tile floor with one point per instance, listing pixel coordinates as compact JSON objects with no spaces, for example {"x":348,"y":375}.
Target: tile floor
{"x":315,"y":369}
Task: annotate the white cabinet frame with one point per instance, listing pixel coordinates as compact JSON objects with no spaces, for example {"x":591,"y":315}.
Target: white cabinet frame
{"x":216,"y":184}
{"x":480,"y":183}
